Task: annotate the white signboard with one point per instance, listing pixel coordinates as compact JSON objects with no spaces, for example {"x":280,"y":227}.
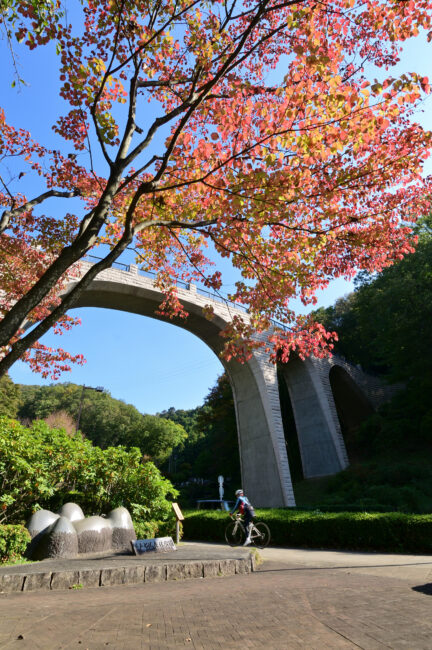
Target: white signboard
{"x":157,"y":545}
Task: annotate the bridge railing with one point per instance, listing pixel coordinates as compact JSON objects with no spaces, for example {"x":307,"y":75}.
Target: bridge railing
{"x":93,"y":259}
{"x":217,"y":297}
{"x":179,"y":283}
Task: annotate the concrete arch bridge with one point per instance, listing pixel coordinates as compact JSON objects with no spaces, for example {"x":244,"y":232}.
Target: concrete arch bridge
{"x":322,"y":392}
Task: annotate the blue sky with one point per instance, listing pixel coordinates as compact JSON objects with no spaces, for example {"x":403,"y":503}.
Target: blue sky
{"x":145,"y":362}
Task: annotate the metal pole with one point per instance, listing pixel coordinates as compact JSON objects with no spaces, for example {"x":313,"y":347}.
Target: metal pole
{"x":98,"y":389}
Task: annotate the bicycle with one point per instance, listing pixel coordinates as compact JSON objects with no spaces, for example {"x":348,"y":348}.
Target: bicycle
{"x":235,"y":533}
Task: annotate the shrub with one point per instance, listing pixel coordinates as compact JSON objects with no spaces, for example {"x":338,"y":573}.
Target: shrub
{"x":13,"y":542}
{"x":44,"y":468}
{"x":151,"y":529}
{"x":389,"y":532}
{"x":146,"y":529}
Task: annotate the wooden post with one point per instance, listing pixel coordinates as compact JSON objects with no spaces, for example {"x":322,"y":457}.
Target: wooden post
{"x":179,"y":517}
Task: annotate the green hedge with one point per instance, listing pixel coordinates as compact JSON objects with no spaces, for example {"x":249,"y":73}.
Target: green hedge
{"x":389,"y":532}
{"x":13,"y":542}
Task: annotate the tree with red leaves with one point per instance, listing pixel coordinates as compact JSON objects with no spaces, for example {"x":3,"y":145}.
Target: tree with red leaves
{"x":253,"y":126}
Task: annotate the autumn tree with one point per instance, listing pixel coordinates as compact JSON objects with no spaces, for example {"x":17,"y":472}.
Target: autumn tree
{"x":254,"y":126}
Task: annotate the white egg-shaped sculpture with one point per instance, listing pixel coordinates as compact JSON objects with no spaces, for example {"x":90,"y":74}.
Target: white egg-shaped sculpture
{"x":71,"y":511}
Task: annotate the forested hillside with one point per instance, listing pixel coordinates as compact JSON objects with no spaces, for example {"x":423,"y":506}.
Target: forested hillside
{"x":104,"y":420}
{"x":385,"y":325}
{"x":191,"y":447}
{"x":211,"y":448}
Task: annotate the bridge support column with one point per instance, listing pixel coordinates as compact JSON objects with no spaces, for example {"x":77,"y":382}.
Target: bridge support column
{"x":264,"y":464}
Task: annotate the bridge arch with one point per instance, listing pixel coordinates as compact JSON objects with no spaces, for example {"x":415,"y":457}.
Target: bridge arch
{"x":263,"y":457}
{"x":264,"y":464}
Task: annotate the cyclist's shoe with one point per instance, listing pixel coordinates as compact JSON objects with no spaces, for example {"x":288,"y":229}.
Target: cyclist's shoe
{"x":247,"y":542}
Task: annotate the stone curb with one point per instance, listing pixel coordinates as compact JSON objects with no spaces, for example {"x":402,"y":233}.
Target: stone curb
{"x":125,"y":575}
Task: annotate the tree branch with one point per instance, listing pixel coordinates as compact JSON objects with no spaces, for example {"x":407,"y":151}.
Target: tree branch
{"x":9,"y":214}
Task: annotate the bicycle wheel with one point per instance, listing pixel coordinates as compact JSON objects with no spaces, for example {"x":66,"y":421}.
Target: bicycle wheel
{"x":234,"y":534}
{"x":260,"y":534}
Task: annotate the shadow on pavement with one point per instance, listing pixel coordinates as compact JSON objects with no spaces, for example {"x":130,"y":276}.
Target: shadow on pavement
{"x":424,"y":589}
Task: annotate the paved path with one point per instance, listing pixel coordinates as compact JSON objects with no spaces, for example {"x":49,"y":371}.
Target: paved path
{"x":297,"y":600}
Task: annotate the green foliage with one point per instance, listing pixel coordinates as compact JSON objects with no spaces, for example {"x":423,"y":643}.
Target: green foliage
{"x":10,"y":396}
{"x":211,"y":448}
{"x":43,"y":467}
{"x":187,"y":419}
{"x":157,"y":436}
{"x":205,"y":525}
{"x":395,"y":479}
{"x":13,"y":542}
{"x":105,"y":420}
{"x":146,"y":529}
{"x":151,"y":529}
{"x":199,"y":442}
{"x":389,"y":532}
{"x":219,"y":453}
{"x":385,"y":324}
{"x":212,"y":445}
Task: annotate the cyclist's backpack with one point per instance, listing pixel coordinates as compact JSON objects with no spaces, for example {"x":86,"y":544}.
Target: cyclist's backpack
{"x":247,"y":508}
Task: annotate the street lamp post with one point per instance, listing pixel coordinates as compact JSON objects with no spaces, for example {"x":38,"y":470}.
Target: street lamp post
{"x":98,"y":389}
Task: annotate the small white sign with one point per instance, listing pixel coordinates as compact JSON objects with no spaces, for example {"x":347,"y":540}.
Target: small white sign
{"x":178,"y":513}
{"x":157,"y":545}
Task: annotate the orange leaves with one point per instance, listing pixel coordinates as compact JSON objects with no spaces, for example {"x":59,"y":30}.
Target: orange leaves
{"x":208,"y":312}
{"x":171,"y":306}
{"x":50,"y":362}
{"x":305,"y":337}
{"x":253,"y":129}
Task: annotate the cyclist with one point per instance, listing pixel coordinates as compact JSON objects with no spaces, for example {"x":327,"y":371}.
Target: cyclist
{"x":245,"y":508}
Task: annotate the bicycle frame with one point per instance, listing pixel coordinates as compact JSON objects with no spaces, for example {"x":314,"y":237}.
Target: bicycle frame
{"x":239,"y":522}
{"x":259,"y":532}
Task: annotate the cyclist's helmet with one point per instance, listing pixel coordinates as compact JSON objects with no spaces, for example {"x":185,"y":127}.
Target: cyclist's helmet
{"x":238,"y":492}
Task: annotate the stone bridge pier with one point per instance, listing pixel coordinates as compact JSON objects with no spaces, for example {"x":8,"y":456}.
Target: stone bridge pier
{"x":265,"y":469}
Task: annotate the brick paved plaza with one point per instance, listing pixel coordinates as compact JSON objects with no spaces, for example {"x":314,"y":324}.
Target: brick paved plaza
{"x":298,"y":599}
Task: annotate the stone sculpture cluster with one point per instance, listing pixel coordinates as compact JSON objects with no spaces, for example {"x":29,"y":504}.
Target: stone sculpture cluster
{"x":68,"y":532}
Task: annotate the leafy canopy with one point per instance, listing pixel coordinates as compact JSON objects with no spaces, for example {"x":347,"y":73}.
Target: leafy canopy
{"x":252,"y":126}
